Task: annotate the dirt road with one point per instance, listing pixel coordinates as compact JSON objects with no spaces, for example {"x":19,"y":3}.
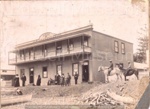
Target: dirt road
{"x":76,"y":94}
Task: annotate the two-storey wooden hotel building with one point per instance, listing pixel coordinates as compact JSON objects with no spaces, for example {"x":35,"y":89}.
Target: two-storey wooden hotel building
{"x":81,"y":50}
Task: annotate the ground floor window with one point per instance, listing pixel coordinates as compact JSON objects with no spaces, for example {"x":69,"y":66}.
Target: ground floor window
{"x":59,"y":69}
{"x":75,"y":68}
{"x":44,"y":72}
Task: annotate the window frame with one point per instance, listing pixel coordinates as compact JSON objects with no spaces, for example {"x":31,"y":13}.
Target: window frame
{"x":73,"y":68}
{"x":122,"y":49}
{"x":61,"y":69}
{"x":22,"y":55}
{"x":69,"y":45}
{"x":116,"y":46}
{"x":87,"y":40}
{"x":43,"y":72}
{"x":31,"y":53}
{"x":59,"y":44}
{"x":44,"y":50}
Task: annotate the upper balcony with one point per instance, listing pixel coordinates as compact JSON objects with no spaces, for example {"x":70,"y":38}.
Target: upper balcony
{"x":51,"y":45}
{"x":36,"y":56}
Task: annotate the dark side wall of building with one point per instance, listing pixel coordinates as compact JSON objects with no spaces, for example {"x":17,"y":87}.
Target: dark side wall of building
{"x":103,"y":51}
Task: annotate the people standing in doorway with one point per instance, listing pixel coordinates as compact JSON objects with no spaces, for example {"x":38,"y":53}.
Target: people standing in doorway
{"x":76,"y":77}
{"x":38,"y":83}
{"x":16,"y":80}
{"x":23,"y":78}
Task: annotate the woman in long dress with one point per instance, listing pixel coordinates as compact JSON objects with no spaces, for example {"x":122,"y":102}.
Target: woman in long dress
{"x":38,"y":83}
{"x":16,"y":81}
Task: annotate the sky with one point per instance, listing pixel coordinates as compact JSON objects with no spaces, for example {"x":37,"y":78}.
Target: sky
{"x":23,"y":21}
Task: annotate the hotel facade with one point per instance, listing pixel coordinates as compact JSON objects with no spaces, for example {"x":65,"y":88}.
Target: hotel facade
{"x":80,"y":50}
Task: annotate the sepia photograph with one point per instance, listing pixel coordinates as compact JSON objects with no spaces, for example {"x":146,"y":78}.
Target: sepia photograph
{"x":74,"y":54}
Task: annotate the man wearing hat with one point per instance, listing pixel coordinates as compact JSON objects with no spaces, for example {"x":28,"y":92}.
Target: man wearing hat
{"x":110,"y":68}
{"x":129,"y":65}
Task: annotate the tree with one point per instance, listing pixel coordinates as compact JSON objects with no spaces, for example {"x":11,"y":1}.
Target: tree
{"x":140,"y":56}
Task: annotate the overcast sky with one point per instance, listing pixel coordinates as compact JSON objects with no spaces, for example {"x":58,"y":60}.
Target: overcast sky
{"x":26,"y":20}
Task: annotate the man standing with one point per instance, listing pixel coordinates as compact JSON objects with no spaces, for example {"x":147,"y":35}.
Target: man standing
{"x":62,"y":82}
{"x":110,"y":68}
{"x":57,"y":79}
{"x":76,"y":77}
{"x":129,"y":65}
{"x":68,"y":79}
{"x":23,"y":78}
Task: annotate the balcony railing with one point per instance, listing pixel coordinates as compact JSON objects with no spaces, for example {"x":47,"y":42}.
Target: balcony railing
{"x":50,"y":54}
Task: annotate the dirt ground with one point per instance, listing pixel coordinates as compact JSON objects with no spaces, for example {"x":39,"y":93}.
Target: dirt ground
{"x":75,"y":94}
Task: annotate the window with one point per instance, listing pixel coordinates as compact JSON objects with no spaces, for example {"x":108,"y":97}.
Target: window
{"x":71,"y":45}
{"x":85,"y":43}
{"x":59,"y":69}
{"x":75,"y":68}
{"x":22,"y":54}
{"x":123,"y":48}
{"x":44,"y":50}
{"x":31,"y":53}
{"x":59,"y":48}
{"x":22,"y":71}
{"x":116,"y":47}
{"x":44,"y":72}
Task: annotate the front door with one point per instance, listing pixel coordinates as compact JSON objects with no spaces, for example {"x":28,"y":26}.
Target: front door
{"x":31,"y":75}
{"x":85,"y":72}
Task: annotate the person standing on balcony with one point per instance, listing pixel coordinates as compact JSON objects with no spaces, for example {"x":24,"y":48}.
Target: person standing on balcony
{"x":23,"y":78}
{"x":38,"y":83}
{"x":76,"y":77}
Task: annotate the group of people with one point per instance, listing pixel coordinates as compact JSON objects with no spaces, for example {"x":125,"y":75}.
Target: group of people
{"x":110,"y":68}
{"x":16,"y":82}
{"x":62,"y":80}
{"x":59,"y":80}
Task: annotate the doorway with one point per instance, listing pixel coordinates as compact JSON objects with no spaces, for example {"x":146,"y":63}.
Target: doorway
{"x":85,"y":72}
{"x":31,"y":75}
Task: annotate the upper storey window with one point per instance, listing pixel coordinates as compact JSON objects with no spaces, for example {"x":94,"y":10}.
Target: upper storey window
{"x":123,"y":48}
{"x":116,"y":47}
